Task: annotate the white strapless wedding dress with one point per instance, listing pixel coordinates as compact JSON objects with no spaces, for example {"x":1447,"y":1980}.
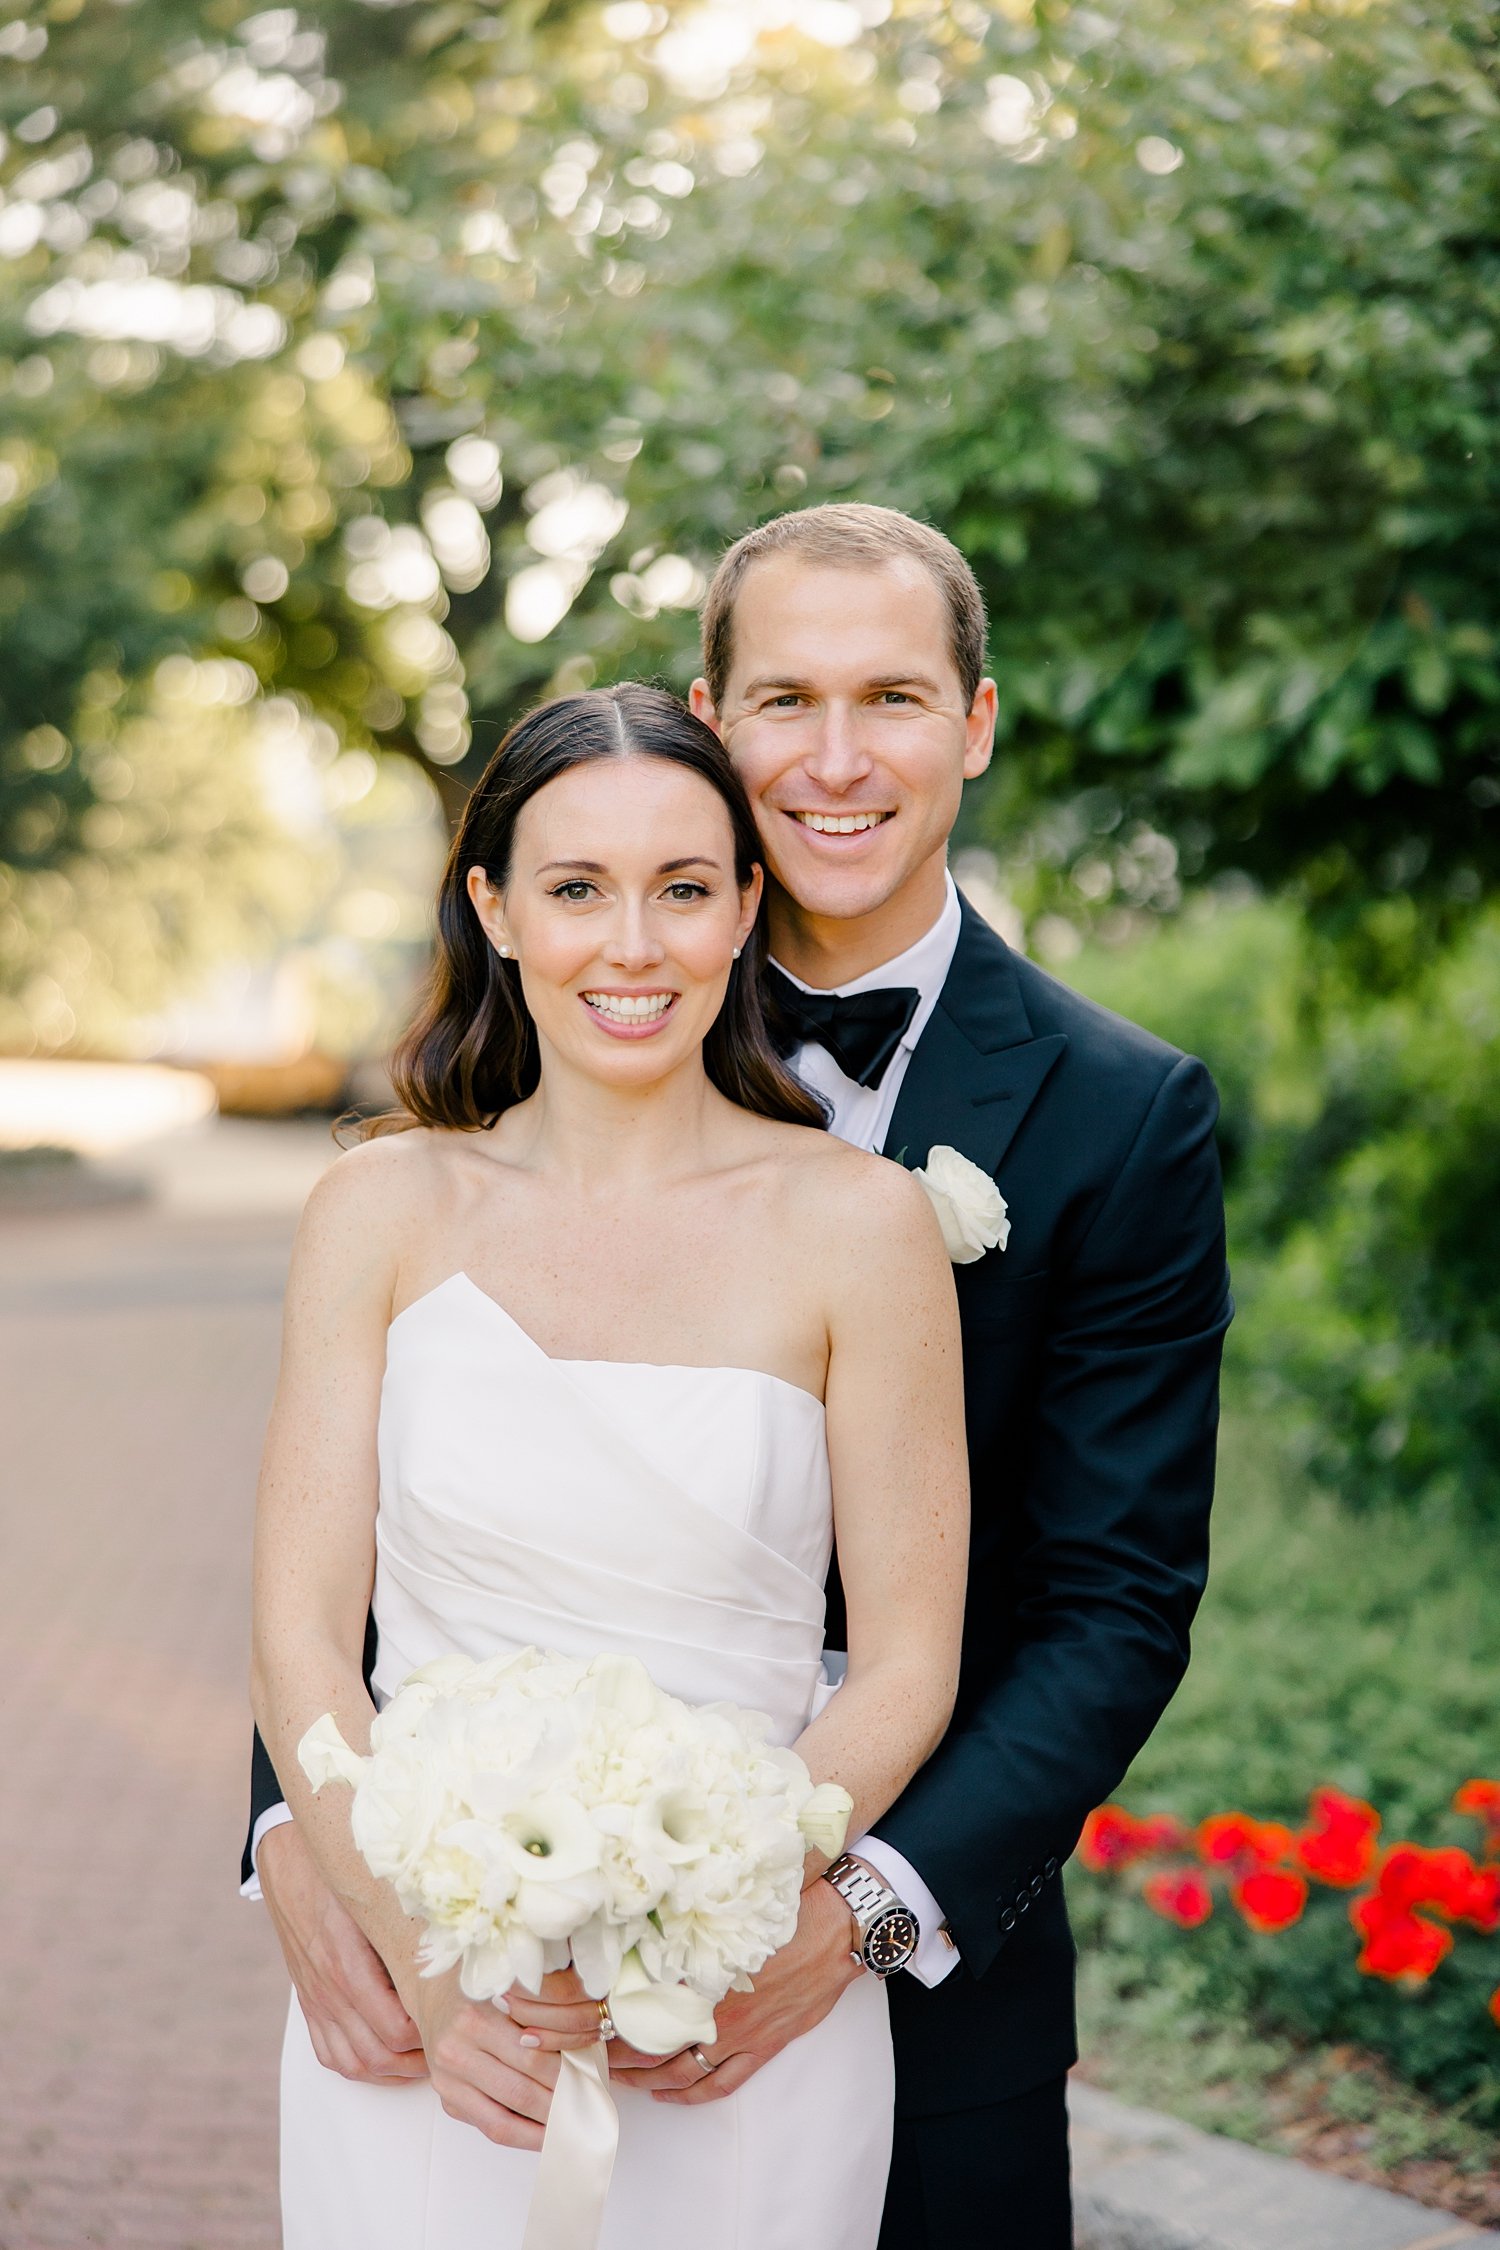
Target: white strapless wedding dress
{"x":682,"y":1514}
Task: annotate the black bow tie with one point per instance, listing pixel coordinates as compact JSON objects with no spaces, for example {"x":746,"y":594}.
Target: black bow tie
{"x":861,"y":1030}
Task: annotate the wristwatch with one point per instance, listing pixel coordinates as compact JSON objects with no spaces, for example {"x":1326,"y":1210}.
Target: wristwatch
{"x":888,"y":1929}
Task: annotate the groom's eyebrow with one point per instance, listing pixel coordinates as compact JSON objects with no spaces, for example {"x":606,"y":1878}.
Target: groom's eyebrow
{"x":771,"y":684}
{"x":782,"y":686}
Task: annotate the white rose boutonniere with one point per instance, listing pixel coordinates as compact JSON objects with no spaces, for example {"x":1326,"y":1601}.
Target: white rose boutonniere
{"x":971,"y":1210}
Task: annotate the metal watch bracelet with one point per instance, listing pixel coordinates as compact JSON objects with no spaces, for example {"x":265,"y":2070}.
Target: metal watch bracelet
{"x":888,"y":1929}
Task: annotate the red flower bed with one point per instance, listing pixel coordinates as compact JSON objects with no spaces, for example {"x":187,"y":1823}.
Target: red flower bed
{"x":1266,"y":1871}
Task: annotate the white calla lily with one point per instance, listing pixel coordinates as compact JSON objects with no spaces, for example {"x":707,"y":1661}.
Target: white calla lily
{"x":551,"y":1839}
{"x":657,"y":2019}
{"x":325,"y":1756}
{"x":824,"y":1819}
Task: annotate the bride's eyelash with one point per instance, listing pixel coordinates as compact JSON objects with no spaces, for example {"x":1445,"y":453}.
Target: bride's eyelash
{"x":581,"y":883}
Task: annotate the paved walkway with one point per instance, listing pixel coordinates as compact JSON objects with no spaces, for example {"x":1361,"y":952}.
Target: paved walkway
{"x":142,"y":1997}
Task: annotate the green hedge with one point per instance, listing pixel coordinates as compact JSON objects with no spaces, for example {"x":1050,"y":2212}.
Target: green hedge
{"x":1361,"y":1139}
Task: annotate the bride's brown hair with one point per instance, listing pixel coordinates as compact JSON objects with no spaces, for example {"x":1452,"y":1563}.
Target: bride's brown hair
{"x":471,"y":1050}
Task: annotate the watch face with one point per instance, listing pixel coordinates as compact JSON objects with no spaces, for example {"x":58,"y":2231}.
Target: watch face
{"x":891,"y":1942}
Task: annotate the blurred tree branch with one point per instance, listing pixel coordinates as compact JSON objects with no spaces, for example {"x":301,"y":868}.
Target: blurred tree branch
{"x":422,"y":359}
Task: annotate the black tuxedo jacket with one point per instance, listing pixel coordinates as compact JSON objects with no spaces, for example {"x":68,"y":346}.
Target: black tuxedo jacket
{"x":1091,"y":1364}
{"x":1091,"y":1370}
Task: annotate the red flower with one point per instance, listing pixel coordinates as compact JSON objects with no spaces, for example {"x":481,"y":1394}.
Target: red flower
{"x":1184,"y":1898}
{"x":1162,"y":1832}
{"x":1482,"y":1906}
{"x":1397,"y":1944}
{"x":1271,"y":1898}
{"x":1482,"y":1798}
{"x":1338,"y":1843}
{"x":1234,"y":1840}
{"x":1111,"y":1838}
{"x":1495,"y":2004}
{"x":1446,"y":1879}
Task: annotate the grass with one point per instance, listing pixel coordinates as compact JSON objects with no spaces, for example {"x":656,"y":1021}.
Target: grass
{"x":1333,"y":1646}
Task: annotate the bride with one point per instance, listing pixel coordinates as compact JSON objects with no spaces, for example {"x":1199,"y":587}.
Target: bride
{"x":598,"y":1354}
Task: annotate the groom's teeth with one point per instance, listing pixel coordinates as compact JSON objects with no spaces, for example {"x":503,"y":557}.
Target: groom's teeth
{"x":839,"y":824}
{"x":621,"y":1007}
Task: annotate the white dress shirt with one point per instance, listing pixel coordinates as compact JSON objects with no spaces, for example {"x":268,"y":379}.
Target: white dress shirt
{"x":861,"y":1114}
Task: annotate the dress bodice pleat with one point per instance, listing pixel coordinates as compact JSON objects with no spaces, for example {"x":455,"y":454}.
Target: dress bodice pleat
{"x":681,"y":1513}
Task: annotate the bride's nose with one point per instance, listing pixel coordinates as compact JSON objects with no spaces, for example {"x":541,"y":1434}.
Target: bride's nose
{"x":634,"y":945}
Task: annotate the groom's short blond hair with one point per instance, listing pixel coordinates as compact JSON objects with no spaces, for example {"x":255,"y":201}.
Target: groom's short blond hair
{"x":851,"y":535}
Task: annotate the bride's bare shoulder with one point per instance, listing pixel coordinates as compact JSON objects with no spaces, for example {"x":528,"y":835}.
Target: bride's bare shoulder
{"x":399,"y":1163}
{"x":846,"y":1194}
{"x":365,"y":1207}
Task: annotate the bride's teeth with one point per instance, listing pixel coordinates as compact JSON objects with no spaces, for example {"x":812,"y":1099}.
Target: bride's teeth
{"x":624,"y":1007}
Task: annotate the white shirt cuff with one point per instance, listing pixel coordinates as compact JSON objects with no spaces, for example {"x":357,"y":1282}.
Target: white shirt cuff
{"x":271,"y":1818}
{"x":936,"y":1956}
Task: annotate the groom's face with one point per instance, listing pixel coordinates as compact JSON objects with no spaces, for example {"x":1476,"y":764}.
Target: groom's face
{"x":847,"y":721}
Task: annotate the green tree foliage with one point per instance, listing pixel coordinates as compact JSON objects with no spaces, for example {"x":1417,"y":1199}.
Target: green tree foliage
{"x":423,"y":357}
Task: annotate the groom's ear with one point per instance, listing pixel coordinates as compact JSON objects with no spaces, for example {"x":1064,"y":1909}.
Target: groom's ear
{"x":701,"y":704}
{"x":979,"y":730}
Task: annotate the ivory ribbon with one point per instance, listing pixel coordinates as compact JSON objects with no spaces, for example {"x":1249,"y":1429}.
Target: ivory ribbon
{"x":578,"y":2156}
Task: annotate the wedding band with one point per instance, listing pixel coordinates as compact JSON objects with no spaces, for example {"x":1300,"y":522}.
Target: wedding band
{"x":702,"y":2061}
{"x":606,"y":2020}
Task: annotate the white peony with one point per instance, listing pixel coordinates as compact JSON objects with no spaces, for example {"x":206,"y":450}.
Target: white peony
{"x":971,"y":1210}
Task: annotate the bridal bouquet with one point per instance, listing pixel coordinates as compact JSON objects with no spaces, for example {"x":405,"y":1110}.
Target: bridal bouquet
{"x":533,"y":1810}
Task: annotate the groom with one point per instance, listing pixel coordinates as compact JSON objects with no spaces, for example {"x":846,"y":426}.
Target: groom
{"x":843,"y":661}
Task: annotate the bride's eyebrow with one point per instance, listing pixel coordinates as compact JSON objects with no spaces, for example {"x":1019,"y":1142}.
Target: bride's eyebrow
{"x":596,"y":867}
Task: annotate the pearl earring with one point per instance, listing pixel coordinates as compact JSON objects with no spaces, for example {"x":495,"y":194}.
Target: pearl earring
{"x":737,"y":951}
{"x":505,"y":952}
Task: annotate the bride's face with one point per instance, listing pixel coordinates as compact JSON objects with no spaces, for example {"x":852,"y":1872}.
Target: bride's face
{"x":623,"y":914}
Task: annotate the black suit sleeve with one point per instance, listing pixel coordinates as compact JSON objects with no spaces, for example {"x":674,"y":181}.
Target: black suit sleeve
{"x":265,"y":1789}
{"x":1067,"y":1682}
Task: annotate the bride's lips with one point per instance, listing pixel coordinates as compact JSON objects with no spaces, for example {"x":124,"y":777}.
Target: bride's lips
{"x":628,"y":1015}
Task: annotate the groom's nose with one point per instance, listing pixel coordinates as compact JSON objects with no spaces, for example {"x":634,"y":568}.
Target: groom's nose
{"x":837,"y":757}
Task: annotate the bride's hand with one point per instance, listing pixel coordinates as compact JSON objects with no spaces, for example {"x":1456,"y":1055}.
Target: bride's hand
{"x":487,"y":2070}
{"x":562,"y":2015}
{"x":793,"y":1992}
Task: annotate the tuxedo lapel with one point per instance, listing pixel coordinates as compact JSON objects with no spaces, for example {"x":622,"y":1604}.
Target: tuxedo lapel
{"x":977,"y":1067}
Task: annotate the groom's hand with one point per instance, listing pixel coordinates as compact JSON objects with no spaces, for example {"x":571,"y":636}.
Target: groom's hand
{"x":793,"y":1992}
{"x":357,"y":2024}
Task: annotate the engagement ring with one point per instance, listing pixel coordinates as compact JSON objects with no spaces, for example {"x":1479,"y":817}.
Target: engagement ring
{"x":606,"y":2020}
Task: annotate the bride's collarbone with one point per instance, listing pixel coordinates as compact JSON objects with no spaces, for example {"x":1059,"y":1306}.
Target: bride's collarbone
{"x":685,"y":1310}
